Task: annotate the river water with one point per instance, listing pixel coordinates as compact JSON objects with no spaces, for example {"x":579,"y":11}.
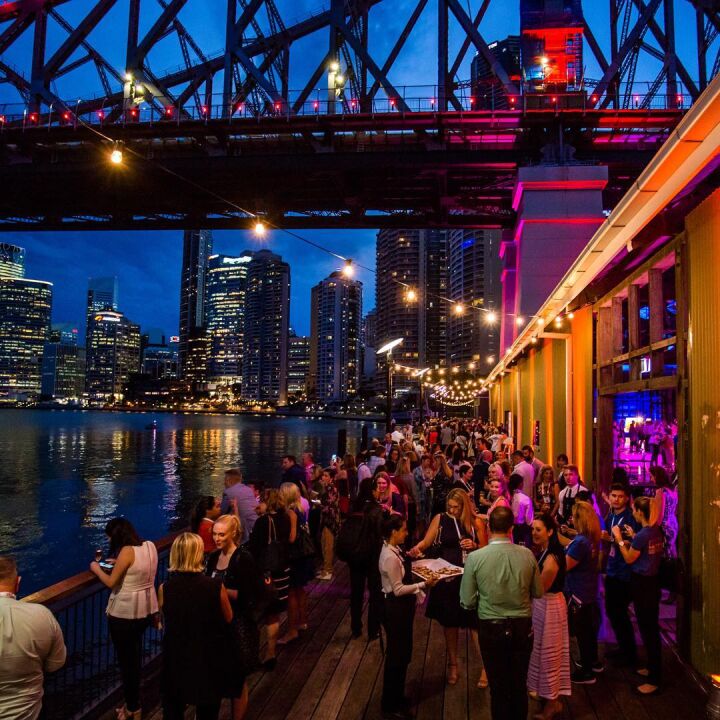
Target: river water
{"x":64,"y":474}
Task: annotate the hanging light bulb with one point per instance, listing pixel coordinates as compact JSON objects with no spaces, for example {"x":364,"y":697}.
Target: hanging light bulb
{"x":558,"y":321}
{"x":570,"y":315}
{"x":458,"y":308}
{"x":491,"y":318}
{"x":541,"y":322}
{"x":348,"y":269}
{"x":259,"y":229}
{"x":411,"y":295}
{"x":116,"y":156}
{"x":519,"y":320}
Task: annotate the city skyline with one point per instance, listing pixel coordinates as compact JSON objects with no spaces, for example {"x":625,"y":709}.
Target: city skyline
{"x":149,"y":273}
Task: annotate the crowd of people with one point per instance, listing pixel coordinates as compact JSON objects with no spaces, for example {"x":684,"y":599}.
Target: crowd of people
{"x":529,"y":535}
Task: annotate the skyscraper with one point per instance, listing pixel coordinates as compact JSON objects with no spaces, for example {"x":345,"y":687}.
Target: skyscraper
{"x":12,"y":261}
{"x":24,"y":325}
{"x":63,"y":365}
{"x":197,"y":248}
{"x":102,"y":295}
{"x":112,"y":354}
{"x":412,"y":260}
{"x":475,"y":266}
{"x":225,"y":287}
{"x":335,"y":319}
{"x":298,"y":365}
{"x":267,"y":318}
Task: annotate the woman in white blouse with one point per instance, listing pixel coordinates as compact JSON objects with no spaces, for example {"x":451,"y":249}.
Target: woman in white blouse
{"x":400,"y":599}
{"x":131,"y":605}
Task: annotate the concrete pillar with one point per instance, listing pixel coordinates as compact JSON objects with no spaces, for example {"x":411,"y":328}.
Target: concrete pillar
{"x":559,"y":208}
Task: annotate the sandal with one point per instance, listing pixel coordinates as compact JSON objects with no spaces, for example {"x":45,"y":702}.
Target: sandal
{"x":452,"y":676}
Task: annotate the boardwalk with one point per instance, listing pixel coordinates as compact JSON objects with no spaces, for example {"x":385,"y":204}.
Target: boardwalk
{"x":327,"y":675}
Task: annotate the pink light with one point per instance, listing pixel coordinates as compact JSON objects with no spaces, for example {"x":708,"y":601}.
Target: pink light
{"x":66,"y":116}
{"x":241,"y":107}
{"x":594,"y":98}
{"x":432,"y":102}
{"x":316,"y":105}
{"x":204,"y":110}
{"x":392,"y":102}
{"x":554,"y":99}
{"x":100,"y":114}
{"x":168,"y":111}
{"x":277,"y":106}
{"x":512,"y":100}
{"x":680,"y":99}
{"x":2,"y":119}
{"x":472,"y":100}
{"x":33,"y":117}
{"x":352,"y":103}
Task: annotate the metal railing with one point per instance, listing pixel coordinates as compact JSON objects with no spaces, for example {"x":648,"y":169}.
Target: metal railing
{"x":414,"y":98}
{"x":90,"y":674}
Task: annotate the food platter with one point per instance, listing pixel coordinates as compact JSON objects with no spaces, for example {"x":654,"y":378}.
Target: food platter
{"x":435,"y":568}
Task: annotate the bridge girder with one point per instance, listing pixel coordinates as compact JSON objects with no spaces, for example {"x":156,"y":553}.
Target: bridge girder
{"x":259,"y":49}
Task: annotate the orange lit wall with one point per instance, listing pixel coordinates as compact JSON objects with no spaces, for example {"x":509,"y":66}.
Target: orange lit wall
{"x":582,"y":390}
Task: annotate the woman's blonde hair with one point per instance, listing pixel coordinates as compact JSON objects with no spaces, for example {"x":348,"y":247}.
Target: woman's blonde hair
{"x":466,"y":516}
{"x":187,"y":553}
{"x":543,"y":470}
{"x":233,"y":525}
{"x":290,"y":496}
{"x":273,"y":500}
{"x":403,"y":467}
{"x":586,"y":521}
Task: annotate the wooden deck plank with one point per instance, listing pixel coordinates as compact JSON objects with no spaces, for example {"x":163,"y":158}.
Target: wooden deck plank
{"x":478,"y":698}
{"x":421,"y":637}
{"x":361,"y":689}
{"x":433,"y":683}
{"x":320,"y":680}
{"x":455,"y":705}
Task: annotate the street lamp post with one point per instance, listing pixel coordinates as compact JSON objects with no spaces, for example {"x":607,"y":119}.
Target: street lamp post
{"x":419,"y":374}
{"x":387,"y":349}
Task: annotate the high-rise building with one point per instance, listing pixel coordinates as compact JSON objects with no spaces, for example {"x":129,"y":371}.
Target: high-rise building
{"x":63,"y":365}
{"x":102,"y":295}
{"x":474,"y":282}
{"x":160,"y":362}
{"x":25,"y":307}
{"x":197,"y":248}
{"x":368,"y":330}
{"x":12,"y":261}
{"x":411,"y":274}
{"x":112,"y":355}
{"x":298,"y":366}
{"x":335,"y":319}
{"x":267,"y":324}
{"x":225,"y":286}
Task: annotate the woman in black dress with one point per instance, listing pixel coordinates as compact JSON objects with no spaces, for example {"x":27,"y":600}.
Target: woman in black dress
{"x":454,"y":534}
{"x":197,"y":613}
{"x":269,"y":544}
{"x":237,"y":571}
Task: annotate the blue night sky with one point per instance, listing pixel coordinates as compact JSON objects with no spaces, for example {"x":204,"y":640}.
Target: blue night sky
{"x":147,"y":264}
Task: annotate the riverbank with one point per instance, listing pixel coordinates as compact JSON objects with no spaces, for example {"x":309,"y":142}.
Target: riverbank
{"x":282,"y":412}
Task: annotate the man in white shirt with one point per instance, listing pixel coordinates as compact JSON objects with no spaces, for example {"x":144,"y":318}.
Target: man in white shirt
{"x":568,"y":495}
{"x":31,"y":644}
{"x":529,"y":455}
{"x":377,"y":459}
{"x":522,"y":508}
{"x":526,"y":472}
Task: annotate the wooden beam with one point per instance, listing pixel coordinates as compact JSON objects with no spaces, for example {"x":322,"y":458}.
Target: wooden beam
{"x":634,"y":329}
{"x":657,"y":317}
{"x":665,"y":382}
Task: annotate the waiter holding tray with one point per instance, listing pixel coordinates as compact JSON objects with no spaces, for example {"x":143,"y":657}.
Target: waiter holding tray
{"x":400,"y":599}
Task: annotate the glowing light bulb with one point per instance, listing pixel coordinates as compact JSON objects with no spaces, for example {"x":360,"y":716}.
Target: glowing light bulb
{"x":116,"y":156}
{"x":458,"y":308}
{"x":491,"y":317}
{"x":259,"y":229}
{"x":519,"y":320}
{"x":348,"y":269}
{"x":411,"y":296}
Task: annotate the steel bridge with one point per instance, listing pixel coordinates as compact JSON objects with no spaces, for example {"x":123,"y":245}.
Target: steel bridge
{"x":354,"y":146}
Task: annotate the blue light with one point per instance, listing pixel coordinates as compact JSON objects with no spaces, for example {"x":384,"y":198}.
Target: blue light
{"x":468,"y":243}
{"x":645,"y":312}
{"x":671,"y":307}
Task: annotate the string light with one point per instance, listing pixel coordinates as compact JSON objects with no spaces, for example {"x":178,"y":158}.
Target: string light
{"x":519,"y":320}
{"x":491,"y":317}
{"x":570,"y":315}
{"x":411,"y":295}
{"x":458,"y":308}
{"x":260,"y":229}
{"x":116,"y":156}
{"x":348,"y":269}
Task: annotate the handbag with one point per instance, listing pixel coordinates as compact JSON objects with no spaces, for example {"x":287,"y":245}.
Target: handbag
{"x":303,"y":547}
{"x":271,"y":556}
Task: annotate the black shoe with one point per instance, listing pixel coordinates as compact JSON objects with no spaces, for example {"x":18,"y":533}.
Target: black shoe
{"x":583,"y":678}
{"x":598,"y":667}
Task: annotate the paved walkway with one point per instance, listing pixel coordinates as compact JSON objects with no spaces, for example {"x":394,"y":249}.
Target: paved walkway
{"x":327,"y":675}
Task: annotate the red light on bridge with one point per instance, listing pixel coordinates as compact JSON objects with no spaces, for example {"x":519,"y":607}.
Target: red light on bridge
{"x":594,"y":98}
{"x":101,"y":115}
{"x":679,"y":100}
{"x":33,"y":117}
{"x":316,"y":106}
{"x":168,"y":111}
{"x":392,"y":103}
{"x":66,"y":116}
{"x":241,"y":107}
{"x":472,"y":101}
{"x":353,"y":103}
{"x":554,"y":99}
{"x":432,"y":102}
{"x":204,"y":110}
{"x":512,"y":100}
{"x":2,"y":119}
{"x":133,"y":113}
{"x":277,"y":106}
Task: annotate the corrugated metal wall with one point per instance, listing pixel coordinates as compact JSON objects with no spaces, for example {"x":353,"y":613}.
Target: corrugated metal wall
{"x":700,"y":489}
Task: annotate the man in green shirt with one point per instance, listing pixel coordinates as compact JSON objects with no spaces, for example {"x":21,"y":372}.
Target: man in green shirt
{"x":499,"y":582}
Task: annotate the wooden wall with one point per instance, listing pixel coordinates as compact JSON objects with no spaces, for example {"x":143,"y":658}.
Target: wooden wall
{"x":700,"y":487}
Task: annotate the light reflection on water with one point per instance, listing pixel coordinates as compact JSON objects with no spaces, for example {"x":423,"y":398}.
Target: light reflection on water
{"x":63,"y":475}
